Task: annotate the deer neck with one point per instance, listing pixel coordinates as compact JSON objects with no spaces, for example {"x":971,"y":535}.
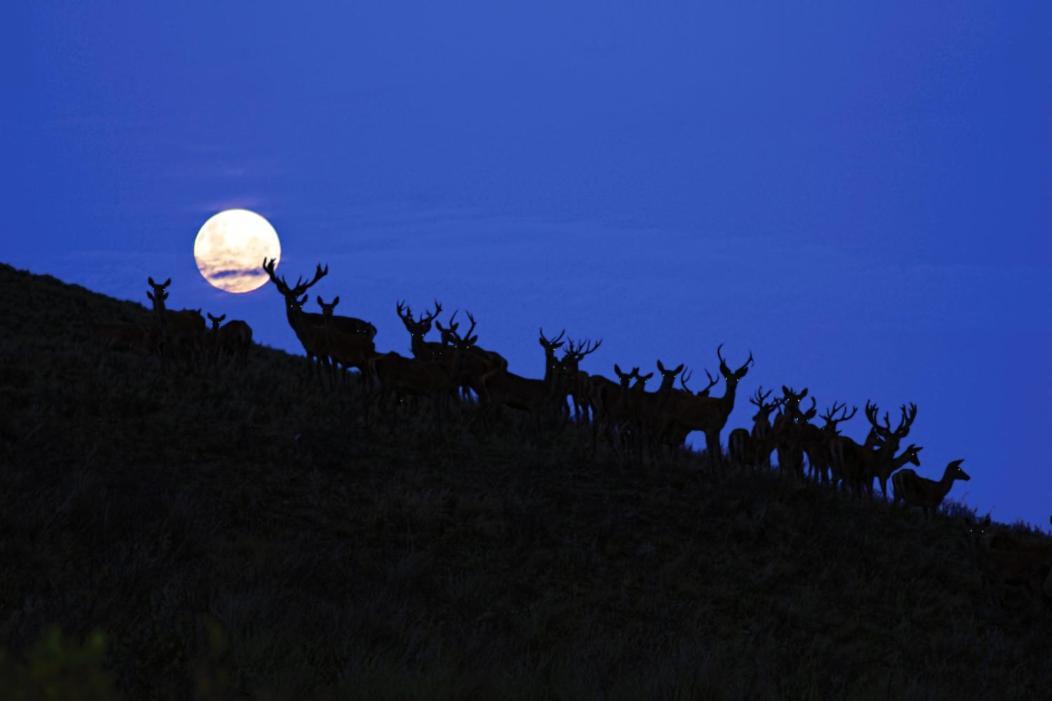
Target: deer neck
{"x":549,"y":365}
{"x":295,"y":316}
{"x":900,"y":461}
{"x":726,"y":402}
{"x":943,"y":485}
{"x":417,"y":344}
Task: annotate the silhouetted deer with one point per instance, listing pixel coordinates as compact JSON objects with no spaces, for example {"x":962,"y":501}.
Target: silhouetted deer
{"x":818,"y":442}
{"x":470,"y":363}
{"x":345,"y":324}
{"x":418,"y":328}
{"x":233,"y":337}
{"x":410,"y":378}
{"x":184,"y":329}
{"x":310,"y":329}
{"x":709,"y":414}
{"x":349,"y":340}
{"x":762,"y":434}
{"x":789,"y":430}
{"x":538,"y":398}
{"x":609,"y":401}
{"x":674,"y":433}
{"x":914,"y":490}
{"x":577,"y":381}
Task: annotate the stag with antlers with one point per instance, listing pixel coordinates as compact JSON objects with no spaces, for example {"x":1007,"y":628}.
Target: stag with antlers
{"x":762,"y":437}
{"x":469,"y":362}
{"x":538,"y":398}
{"x":309,"y":328}
{"x":709,"y":414}
{"x":858,"y":465}
{"x":884,"y":435}
{"x":326,"y":340}
{"x":576,"y":380}
{"x":817,"y":441}
{"x":674,"y":433}
{"x":418,"y":328}
{"x":790,"y":429}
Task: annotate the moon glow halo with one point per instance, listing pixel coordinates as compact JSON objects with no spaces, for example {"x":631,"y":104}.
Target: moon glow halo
{"x":230,"y":248}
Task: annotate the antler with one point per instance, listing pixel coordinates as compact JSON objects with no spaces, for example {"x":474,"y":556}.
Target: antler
{"x":584,"y":348}
{"x":268,"y":268}
{"x":431,"y":315}
{"x":404,"y":313}
{"x":726,"y":371}
{"x":759,"y":400}
{"x":908,"y":416}
{"x":468,"y":338}
{"x":553,"y":343}
{"x":319,"y":273}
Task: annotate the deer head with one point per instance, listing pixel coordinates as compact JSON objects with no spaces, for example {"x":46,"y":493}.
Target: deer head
{"x":912,"y":456}
{"x":684,"y":378}
{"x":885,"y":432}
{"x":550,"y":346}
{"x":764,"y":408}
{"x":158,"y":293}
{"x":668,"y":377}
{"x":329,"y":308}
{"x":734,"y":376}
{"x":625,"y":377}
{"x":293,"y":294}
{"x":466,"y":341}
{"x":551,"y":364}
{"x":791,"y":402}
{"x":419,"y":327}
{"x":216,"y":321}
{"x":832,"y":421}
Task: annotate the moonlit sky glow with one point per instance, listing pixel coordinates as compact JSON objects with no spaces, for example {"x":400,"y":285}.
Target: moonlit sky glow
{"x":859,"y":193}
{"x":230,"y":246}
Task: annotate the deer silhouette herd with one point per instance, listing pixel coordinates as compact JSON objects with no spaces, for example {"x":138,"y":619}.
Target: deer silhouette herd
{"x":622,"y":413}
{"x":634,"y":422}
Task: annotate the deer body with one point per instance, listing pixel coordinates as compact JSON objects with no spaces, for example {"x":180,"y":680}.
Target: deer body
{"x":183,"y":328}
{"x":234,"y":337}
{"x":709,"y":414}
{"x":311,"y":329}
{"x":762,"y":434}
{"x":914,"y":490}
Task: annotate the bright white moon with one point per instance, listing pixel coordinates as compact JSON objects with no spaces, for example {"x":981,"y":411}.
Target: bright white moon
{"x":230,"y":248}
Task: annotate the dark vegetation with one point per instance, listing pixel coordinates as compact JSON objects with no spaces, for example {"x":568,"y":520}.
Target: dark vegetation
{"x":233,"y":527}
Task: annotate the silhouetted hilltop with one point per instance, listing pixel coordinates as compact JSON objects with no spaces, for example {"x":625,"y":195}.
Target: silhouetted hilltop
{"x":241,"y":529}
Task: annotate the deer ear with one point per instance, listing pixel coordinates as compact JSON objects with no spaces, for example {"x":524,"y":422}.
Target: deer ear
{"x":336,"y":301}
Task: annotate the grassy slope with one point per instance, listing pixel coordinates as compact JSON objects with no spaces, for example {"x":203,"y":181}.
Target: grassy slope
{"x":243,"y":527}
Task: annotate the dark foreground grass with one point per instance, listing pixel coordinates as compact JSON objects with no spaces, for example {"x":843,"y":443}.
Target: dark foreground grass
{"x":242,"y":532}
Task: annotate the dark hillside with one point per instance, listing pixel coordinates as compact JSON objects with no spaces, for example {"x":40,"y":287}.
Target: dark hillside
{"x":241,"y":530}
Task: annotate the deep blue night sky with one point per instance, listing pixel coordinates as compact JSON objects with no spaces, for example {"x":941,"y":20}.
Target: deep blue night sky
{"x":862,"y":197}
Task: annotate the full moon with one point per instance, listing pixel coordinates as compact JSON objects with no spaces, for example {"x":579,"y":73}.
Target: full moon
{"x":231,"y":246}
